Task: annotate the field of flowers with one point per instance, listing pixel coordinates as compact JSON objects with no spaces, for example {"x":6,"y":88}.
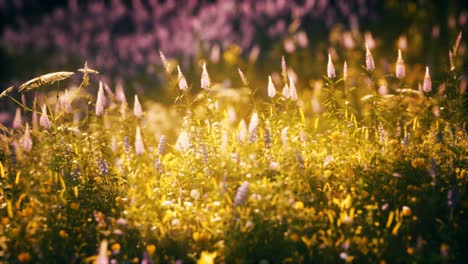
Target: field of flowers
{"x":343,"y":150}
{"x":356,"y":168}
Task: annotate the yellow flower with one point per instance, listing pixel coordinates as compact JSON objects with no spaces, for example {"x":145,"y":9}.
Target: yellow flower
{"x":298,"y":205}
{"x":207,"y":258}
{"x":63,"y":233}
{"x":115,"y":247}
{"x":24,"y":257}
{"x":150,"y":249}
{"x":406,"y":211}
{"x":294,"y":237}
{"x":410,"y":251}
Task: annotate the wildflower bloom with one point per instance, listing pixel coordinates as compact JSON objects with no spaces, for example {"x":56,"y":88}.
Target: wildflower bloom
{"x":345,"y":71}
{"x":139,"y":146}
{"x":27,"y":141}
{"x":370,"y":66}
{"x":100,"y":101}
{"x":182,"y":82}
{"x":292,"y":87}
{"x":427,"y":83}
{"x":241,"y":194}
{"x":137,"y":111}
{"x":44,"y":120}
{"x":330,"y":68}
{"x":215,"y":54}
{"x":161,"y":145}
{"x":120,"y":94}
{"x":164,"y":62}
{"x":369,"y":39}
{"x":102,"y":257}
{"x":271,"y":88}
{"x":205,"y":78}
{"x":17,"y":121}
{"x":253,"y":125}
{"x":302,"y":39}
{"x":400,"y":71}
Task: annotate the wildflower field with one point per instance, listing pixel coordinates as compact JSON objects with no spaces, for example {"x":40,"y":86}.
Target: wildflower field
{"x":353,"y":156}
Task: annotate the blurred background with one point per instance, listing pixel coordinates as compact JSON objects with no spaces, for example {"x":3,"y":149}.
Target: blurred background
{"x":122,"y":39}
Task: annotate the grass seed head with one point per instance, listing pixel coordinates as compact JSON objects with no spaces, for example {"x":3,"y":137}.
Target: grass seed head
{"x":243,"y":78}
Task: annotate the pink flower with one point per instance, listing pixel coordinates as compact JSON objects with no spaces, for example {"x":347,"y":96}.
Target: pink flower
{"x":330,"y":68}
{"x":345,"y":71}
{"x":44,"y":120}
{"x":27,"y":140}
{"x":182,"y":82}
{"x":137,"y":111}
{"x":100,"y":101}
{"x":370,"y":66}
{"x":205,"y":78}
{"x":139,"y":146}
{"x":400,"y":70}
{"x":102,"y":257}
{"x":120,"y":94}
{"x":292,"y":89}
{"x":427,"y":83}
{"x":18,"y":120}
{"x":302,"y":39}
{"x":271,"y":88}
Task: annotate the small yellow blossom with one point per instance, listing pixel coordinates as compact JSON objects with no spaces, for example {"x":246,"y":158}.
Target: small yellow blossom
{"x":207,"y":258}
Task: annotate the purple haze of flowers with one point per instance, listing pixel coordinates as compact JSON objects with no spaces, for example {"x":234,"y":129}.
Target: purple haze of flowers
{"x":123,"y":37}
